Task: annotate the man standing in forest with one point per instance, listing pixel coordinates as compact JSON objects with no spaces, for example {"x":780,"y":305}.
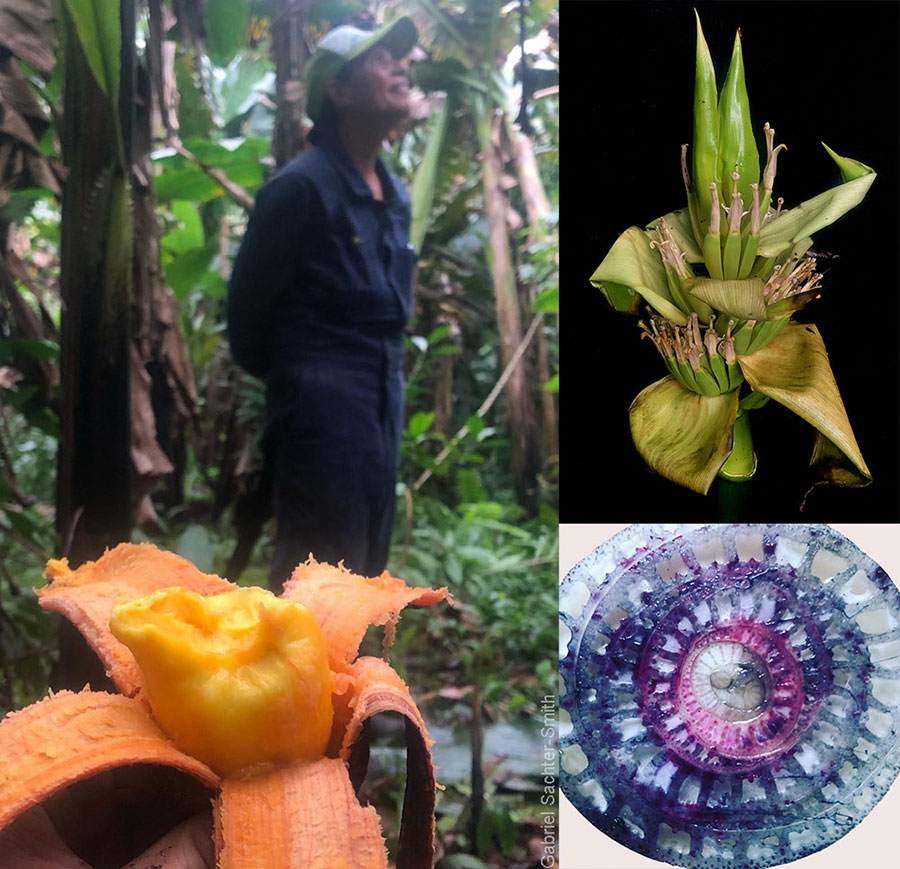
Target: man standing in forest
{"x":317,"y":305}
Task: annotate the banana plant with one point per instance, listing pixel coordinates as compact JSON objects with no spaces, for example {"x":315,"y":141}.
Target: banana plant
{"x":467,"y":44}
{"x":721,"y":279}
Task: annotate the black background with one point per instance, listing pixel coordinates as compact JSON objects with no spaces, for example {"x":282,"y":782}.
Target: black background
{"x":825,"y":71}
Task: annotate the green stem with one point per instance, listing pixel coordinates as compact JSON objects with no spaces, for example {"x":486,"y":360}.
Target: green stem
{"x":741,"y":464}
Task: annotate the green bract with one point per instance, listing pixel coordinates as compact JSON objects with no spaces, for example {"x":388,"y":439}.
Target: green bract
{"x":722,"y":279}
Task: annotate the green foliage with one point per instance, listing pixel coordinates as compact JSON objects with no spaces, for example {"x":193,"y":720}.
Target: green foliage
{"x":27,"y":539}
{"x":187,"y":228}
{"x":20,"y":203}
{"x":189,"y":272}
{"x":325,"y":14}
{"x":215,"y":109}
{"x":502,"y":573}
{"x":181,"y":179}
{"x":97,"y":25}
{"x":423,"y":185}
{"x":194,"y":112}
{"x":26,"y":397}
{"x":246,"y":83}
{"x":27,"y":647}
{"x":496,"y":827}
{"x":227,"y":23}
{"x":425,"y":352}
{"x":461,"y":861}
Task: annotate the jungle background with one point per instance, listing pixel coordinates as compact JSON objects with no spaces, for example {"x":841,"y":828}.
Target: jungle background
{"x":133,"y":137}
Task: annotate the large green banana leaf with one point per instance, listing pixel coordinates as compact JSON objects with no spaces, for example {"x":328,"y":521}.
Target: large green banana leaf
{"x":632,"y":263}
{"x":681,"y":435}
{"x":422,"y":190}
{"x":793,"y":369}
{"x":97,"y":25}
{"x":99,"y":32}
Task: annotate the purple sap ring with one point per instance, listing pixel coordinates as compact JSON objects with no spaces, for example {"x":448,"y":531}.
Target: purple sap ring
{"x":730,"y":694}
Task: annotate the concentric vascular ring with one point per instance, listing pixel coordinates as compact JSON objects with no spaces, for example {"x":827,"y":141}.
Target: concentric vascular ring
{"x":730,"y":695}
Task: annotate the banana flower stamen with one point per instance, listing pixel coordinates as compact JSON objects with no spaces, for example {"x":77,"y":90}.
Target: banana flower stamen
{"x":694,"y":359}
{"x":659,"y":338}
{"x":775,"y":279}
{"x":695,"y":353}
{"x":694,"y":328}
{"x":801,"y":279}
{"x":684,"y":171}
{"x":735,"y":213}
{"x":672,"y":255}
{"x":769,"y":132}
{"x":680,"y":349}
{"x":801,"y":286}
{"x":772,"y":162}
{"x":768,"y":183}
{"x":646,"y":333}
{"x":754,"y":210}
{"x":666,"y":341}
{"x":711,"y":339}
{"x":728,"y":350}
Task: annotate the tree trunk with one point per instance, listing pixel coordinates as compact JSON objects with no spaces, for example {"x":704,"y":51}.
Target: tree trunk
{"x":525,"y":457}
{"x":163,"y":393}
{"x":445,"y":379}
{"x":537,"y":207}
{"x":290,"y":56}
{"x":94,"y":479}
{"x":161,"y":54}
{"x":476,"y":743}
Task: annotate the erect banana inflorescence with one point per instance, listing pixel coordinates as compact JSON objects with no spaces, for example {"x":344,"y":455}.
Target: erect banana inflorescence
{"x":728,"y":329}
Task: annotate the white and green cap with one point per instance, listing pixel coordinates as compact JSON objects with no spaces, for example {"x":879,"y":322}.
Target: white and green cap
{"x":343,"y":44}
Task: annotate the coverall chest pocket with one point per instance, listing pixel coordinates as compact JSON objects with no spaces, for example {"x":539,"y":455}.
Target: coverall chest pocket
{"x":365,"y":295}
{"x":358,"y":233}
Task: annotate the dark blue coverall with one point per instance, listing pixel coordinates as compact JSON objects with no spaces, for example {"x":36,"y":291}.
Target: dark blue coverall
{"x":317,"y":306}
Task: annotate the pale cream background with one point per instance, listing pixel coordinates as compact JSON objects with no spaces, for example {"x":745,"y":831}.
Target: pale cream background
{"x":873,"y":844}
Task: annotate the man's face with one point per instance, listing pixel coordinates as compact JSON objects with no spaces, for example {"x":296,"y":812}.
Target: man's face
{"x":375,"y":84}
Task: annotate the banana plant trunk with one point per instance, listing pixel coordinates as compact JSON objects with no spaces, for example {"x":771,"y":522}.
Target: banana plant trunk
{"x":537,"y":207}
{"x":94,"y":479}
{"x":94,"y":465}
{"x":163,"y":391}
{"x":523,"y":427}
